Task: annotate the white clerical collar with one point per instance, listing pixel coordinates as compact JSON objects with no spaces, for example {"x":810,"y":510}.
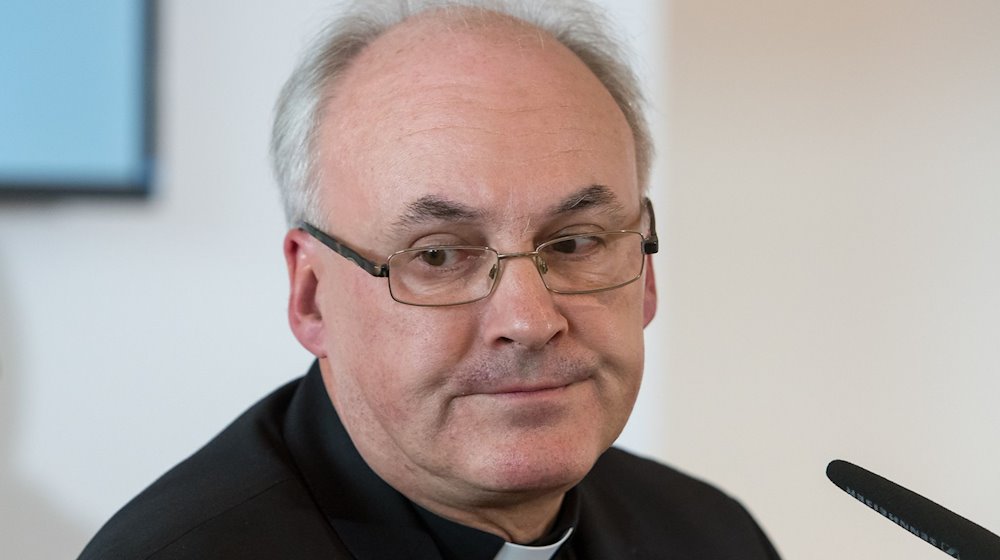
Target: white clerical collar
{"x":511,"y":551}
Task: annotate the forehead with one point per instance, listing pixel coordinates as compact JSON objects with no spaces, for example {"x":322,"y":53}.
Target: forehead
{"x":473,"y":107}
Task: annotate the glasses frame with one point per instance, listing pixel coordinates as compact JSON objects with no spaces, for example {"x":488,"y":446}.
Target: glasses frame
{"x":650,"y":245}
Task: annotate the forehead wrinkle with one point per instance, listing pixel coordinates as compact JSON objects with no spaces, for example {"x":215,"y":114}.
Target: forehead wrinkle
{"x":461,"y":99}
{"x":493,"y":132}
{"x":448,"y":127}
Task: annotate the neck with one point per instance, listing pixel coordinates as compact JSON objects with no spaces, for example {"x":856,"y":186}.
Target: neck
{"x":521,"y":522}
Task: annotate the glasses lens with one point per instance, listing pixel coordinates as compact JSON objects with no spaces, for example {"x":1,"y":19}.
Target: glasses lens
{"x":442,"y":275}
{"x":592,"y":262}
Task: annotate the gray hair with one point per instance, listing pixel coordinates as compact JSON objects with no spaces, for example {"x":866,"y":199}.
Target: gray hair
{"x":577,"y":24}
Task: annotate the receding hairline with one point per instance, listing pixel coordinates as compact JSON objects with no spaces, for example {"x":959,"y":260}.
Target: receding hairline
{"x":477,"y":22}
{"x":383,"y":79}
{"x":579,"y":26}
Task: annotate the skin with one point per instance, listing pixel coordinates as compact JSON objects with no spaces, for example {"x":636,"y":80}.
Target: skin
{"x":484,"y":413}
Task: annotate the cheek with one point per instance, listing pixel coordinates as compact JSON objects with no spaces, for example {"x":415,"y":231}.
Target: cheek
{"x":612,"y":320}
{"x":425,"y":338}
{"x":397,"y":356}
{"x":611,"y":324}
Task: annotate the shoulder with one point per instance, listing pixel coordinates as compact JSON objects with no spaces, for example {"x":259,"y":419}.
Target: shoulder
{"x":645,"y":501}
{"x":618,"y":471}
{"x":230,"y":487}
{"x":624,"y":480}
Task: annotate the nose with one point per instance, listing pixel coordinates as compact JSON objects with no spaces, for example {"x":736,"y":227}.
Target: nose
{"x":521,"y":310}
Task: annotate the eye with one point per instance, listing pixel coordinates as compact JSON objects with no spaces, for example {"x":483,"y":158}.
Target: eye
{"x":437,"y":263}
{"x":576,"y":244}
{"x":434,"y":257}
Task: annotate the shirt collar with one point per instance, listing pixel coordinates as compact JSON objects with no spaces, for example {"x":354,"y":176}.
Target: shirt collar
{"x":460,"y":542}
{"x":511,"y":551}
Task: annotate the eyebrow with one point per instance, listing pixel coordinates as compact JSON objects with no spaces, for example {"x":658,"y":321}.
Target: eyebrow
{"x":590,"y":197}
{"x":432,"y":208}
{"x":435,"y":208}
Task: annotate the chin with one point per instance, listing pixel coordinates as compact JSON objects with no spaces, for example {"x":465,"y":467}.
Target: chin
{"x":532,"y":447}
{"x":535,"y":470}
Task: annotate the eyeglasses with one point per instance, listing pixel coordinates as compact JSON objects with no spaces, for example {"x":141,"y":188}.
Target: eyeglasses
{"x":442,"y":275}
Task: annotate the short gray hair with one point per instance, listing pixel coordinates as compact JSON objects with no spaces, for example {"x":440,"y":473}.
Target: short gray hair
{"x":577,"y":24}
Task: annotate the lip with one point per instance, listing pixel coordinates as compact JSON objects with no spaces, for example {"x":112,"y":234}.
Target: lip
{"x":513,"y":379}
{"x":530,"y":389}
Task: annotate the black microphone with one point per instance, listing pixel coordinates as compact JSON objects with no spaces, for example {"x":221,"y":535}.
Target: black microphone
{"x":937,"y":526}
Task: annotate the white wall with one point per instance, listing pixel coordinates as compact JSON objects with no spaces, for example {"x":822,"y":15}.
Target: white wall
{"x":133,"y":331}
{"x":833,"y":258}
{"x":828,"y":196}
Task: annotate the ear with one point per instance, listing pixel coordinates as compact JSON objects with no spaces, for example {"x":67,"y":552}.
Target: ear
{"x":648,"y":293}
{"x":304,"y":314}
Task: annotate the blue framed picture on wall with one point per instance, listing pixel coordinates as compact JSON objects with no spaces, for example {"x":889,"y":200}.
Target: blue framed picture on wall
{"x":77,"y":96}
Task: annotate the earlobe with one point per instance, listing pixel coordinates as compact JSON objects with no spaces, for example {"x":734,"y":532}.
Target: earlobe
{"x":304,"y":315}
{"x":649,"y":293}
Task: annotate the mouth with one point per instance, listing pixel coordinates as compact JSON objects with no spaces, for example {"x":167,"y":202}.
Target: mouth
{"x":528,"y":388}
{"x":526,"y":381}
{"x":525,"y":390}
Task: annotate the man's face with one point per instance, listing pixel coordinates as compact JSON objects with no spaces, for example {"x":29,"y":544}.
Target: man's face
{"x":483,"y":136}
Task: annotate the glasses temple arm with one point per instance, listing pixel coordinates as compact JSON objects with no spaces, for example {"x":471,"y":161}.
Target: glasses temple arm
{"x":377,"y":270}
{"x":651,"y":244}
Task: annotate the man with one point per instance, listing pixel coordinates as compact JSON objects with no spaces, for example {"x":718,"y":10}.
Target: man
{"x":470,"y":264}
